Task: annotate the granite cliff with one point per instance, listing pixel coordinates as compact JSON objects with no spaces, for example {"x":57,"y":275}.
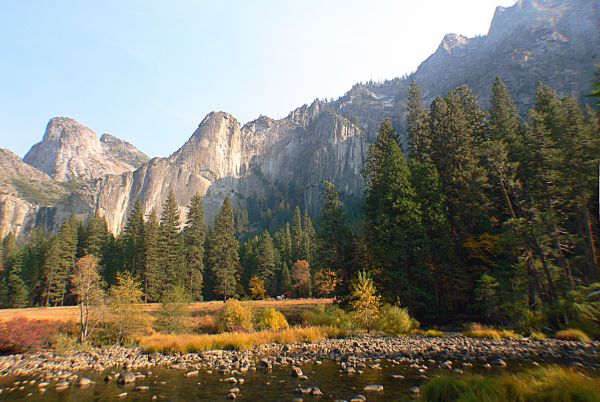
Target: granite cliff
{"x":557,"y":42}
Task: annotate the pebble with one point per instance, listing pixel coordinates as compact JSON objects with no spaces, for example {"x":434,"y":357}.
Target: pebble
{"x":373,"y":388}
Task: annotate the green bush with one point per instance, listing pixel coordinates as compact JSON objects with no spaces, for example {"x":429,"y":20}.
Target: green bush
{"x":395,"y":321}
{"x":330,"y":316}
{"x":269,"y":318}
{"x":572,"y":335}
{"x":537,"y":336}
{"x":174,"y":313}
{"x":234,"y":317}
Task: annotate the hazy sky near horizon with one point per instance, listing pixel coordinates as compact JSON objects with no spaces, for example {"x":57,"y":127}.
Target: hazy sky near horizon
{"x":149,"y":71}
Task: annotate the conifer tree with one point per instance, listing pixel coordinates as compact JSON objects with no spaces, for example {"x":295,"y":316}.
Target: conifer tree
{"x":17,"y":290}
{"x":285,"y":279}
{"x":334,"y":236}
{"x":266,"y":261}
{"x":33,"y":260}
{"x":95,"y":236}
{"x":222,"y":254}
{"x":418,"y":125}
{"x":395,"y":221}
{"x":309,"y":238}
{"x":458,"y":160}
{"x":297,"y":235}
{"x":194,"y":235}
{"x":153,"y":275}
{"x":170,"y":245}
{"x":283,"y":242}
{"x":133,"y":241}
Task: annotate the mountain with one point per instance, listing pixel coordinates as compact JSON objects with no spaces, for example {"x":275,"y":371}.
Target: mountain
{"x":69,"y":150}
{"x":557,"y":42}
{"x":25,"y":194}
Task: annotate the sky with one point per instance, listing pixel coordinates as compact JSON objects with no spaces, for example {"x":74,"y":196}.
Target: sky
{"x":149,"y":71}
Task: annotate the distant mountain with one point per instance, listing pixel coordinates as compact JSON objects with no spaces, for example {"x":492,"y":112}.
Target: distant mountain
{"x":557,"y":42}
{"x":24,"y":192}
{"x":69,"y":150}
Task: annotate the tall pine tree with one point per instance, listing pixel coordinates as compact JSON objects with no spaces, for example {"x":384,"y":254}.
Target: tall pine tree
{"x":222,"y":254}
{"x":170,"y":245}
{"x":194,"y":235}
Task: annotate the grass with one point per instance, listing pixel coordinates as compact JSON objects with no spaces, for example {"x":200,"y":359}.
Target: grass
{"x":552,"y":384}
{"x":572,"y":335}
{"x":483,"y":332}
{"x":432,"y":333}
{"x":233,"y":340}
{"x":292,"y":309}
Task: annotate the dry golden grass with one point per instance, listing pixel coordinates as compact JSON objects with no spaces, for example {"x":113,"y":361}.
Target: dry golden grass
{"x":481,"y":331}
{"x":232,"y":340}
{"x":71,"y":313}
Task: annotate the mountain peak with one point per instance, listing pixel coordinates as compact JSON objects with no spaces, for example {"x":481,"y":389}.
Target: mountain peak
{"x":70,"y":150}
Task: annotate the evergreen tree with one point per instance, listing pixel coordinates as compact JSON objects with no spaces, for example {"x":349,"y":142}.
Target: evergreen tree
{"x":266,"y":261}
{"x":285,"y":279}
{"x":297,"y":235}
{"x":33,"y":260}
{"x":194,"y":235}
{"x":59,"y":262}
{"x":395,"y":221}
{"x":17,"y":290}
{"x":309,"y":238}
{"x":170,"y":245}
{"x":334,"y":237}
{"x":153,"y":275}
{"x":133,"y":241}
{"x":283,"y":242}
{"x":222,"y":254}
{"x":418,"y":125}
{"x":95,"y":236}
{"x":458,"y":160}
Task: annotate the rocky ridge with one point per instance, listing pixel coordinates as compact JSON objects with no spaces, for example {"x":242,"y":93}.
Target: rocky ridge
{"x":550,"y":40}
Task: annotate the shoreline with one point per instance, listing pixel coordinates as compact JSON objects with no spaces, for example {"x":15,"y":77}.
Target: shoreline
{"x":351,"y":353}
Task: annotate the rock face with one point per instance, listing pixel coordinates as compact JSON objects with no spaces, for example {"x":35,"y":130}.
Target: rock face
{"x":70,"y":150}
{"x":123,"y":151}
{"x":222,"y":158}
{"x":554,"y":41}
{"x":25,"y":194}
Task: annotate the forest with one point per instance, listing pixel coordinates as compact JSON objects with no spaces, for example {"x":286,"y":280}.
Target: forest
{"x":482,"y":215}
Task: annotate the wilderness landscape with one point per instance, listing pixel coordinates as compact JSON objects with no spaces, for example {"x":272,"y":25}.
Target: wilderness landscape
{"x":429,"y":237}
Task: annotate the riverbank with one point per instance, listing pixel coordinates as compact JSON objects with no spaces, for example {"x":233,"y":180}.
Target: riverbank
{"x":352,"y":354}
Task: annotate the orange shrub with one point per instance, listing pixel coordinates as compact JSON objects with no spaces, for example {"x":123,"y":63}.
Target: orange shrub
{"x":20,"y":335}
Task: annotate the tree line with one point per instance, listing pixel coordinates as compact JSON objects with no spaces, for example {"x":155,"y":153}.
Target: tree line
{"x":485,"y":215}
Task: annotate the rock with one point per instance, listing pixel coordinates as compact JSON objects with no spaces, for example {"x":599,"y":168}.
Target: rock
{"x":232,"y":380}
{"x":296,"y":371}
{"x":414,"y":390}
{"x":499,"y":363}
{"x":373,"y":388}
{"x":192,"y":373}
{"x":126,"y":378}
{"x":83,"y":382}
{"x":122,"y":395}
{"x":397,"y":376}
{"x":231,"y":395}
{"x":142,"y":388}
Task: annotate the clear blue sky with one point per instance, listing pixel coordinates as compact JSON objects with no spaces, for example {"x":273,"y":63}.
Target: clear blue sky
{"x":149,"y":71}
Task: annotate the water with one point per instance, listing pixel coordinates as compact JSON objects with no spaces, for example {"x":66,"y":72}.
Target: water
{"x":279,"y":385}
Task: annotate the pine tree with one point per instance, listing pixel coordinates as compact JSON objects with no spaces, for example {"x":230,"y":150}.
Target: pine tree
{"x":266,"y":261}
{"x":283,"y":242}
{"x":285,"y":279}
{"x":170,"y":245}
{"x":133,"y":241}
{"x":222,"y":254}
{"x":309,"y":238}
{"x":95,"y":236}
{"x":297,"y":235}
{"x":17,"y":290}
{"x":194,"y":235}
{"x":153,"y":275}
{"x":33,"y":260}
{"x":418,"y":125}
{"x":458,"y":160}
{"x":59,"y":263}
{"x":334,"y":236}
{"x":394,"y":218}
